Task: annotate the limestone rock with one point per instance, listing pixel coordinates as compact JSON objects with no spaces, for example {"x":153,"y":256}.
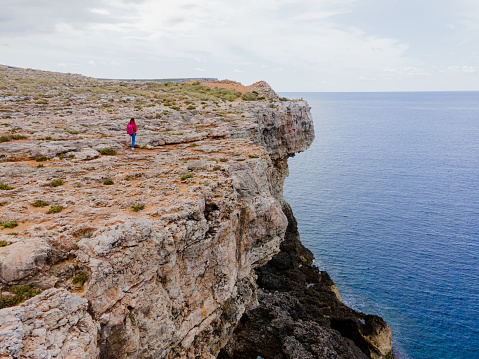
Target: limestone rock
{"x":151,"y":252}
{"x":22,"y":259}
{"x":54,"y":324}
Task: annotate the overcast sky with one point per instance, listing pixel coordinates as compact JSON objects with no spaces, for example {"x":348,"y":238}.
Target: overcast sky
{"x":295,"y":45}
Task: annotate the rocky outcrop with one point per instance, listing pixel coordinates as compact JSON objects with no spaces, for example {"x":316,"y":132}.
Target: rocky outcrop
{"x":300,"y":314}
{"x":155,"y":252}
{"x":54,"y":324}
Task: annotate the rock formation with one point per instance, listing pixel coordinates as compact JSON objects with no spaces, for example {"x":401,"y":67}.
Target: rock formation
{"x":154,"y":252}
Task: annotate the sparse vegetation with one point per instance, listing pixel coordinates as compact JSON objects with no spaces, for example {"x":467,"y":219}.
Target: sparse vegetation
{"x":216,"y":168}
{"x":138,"y":207}
{"x":253,"y":156}
{"x":22,"y":293}
{"x":55,"y":209}
{"x":3,"y":243}
{"x":80,"y":278}
{"x":250,"y":96}
{"x":108,"y":152}
{"x":11,"y":224}
{"x":56,"y":183}
{"x":5,"y":187}
{"x":12,"y":137}
{"x":223,"y":159}
{"x":42,"y":159}
{"x":107,"y":182}
{"x":39,"y":203}
{"x":185,"y":177}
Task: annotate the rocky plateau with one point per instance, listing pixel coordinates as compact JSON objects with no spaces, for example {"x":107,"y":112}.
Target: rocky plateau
{"x":181,"y":248}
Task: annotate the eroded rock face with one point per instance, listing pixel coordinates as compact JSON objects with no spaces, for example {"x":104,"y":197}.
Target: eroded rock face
{"x":54,"y":324}
{"x":300,"y":314}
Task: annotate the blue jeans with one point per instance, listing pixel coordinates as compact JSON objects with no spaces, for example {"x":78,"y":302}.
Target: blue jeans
{"x":133,"y":135}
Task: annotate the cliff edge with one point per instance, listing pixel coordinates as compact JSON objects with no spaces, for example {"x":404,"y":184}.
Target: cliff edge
{"x":161,"y":251}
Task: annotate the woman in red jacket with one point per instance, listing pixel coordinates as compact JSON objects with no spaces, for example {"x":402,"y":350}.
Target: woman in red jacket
{"x":131,"y":130}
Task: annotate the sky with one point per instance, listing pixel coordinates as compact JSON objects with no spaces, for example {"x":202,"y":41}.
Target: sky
{"x":294,"y":45}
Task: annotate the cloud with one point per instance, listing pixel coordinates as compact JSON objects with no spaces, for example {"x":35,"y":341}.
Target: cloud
{"x":460,"y":69}
{"x":271,"y":38}
{"x":293,"y":33}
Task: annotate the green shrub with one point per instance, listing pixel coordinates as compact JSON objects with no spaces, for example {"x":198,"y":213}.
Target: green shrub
{"x":11,"y":224}
{"x":22,"y":293}
{"x":3,"y":243}
{"x":107,"y":182}
{"x":41,"y":159}
{"x":5,"y":187}
{"x":185,"y":177}
{"x":253,"y":156}
{"x":12,"y":137}
{"x":236,"y":154}
{"x":250,"y":96}
{"x":223,"y":159}
{"x":138,"y":207}
{"x":108,"y":152}
{"x":80,"y":278}
{"x":56,"y":183}
{"x":54,"y":209}
{"x":216,"y":168}
{"x":39,"y":203}
{"x":191,"y":108}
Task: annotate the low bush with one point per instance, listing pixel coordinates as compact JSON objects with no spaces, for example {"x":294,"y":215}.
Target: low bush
{"x":22,"y":293}
{"x":80,"y":278}
{"x":107,"y":182}
{"x":12,"y":137}
{"x":108,"y":152}
{"x":250,"y":96}
{"x":56,"y":183}
{"x":185,"y":177}
{"x":54,"y":209}
{"x":5,"y":187}
{"x":11,"y":224}
{"x":138,"y":207}
{"x":41,"y":159}
{"x":39,"y":203}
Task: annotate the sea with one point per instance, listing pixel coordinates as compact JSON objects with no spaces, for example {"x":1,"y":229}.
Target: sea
{"x":387,"y":199}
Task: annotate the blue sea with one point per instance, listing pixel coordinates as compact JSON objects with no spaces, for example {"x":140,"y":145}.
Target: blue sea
{"x":387,"y":198}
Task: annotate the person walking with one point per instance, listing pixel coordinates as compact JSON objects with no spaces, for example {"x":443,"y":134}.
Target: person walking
{"x":131,"y":130}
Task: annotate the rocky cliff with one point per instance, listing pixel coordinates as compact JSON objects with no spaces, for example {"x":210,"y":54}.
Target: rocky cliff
{"x":153,"y":252}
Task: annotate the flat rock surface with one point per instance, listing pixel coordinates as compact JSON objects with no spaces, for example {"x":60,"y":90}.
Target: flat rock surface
{"x":160,"y":243}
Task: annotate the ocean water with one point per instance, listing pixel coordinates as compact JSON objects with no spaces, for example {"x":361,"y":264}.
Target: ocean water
{"x":387,"y":198}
